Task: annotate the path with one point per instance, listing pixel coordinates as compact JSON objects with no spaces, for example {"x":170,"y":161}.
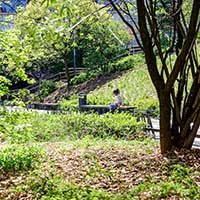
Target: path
{"x":155,"y":124}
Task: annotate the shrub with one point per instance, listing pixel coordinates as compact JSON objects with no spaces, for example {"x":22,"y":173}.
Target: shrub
{"x":46,"y":87}
{"x":82,"y":77}
{"x":127,"y":62}
{"x":69,"y":104}
{"x":14,"y":127}
{"x":20,"y":157}
{"x":45,"y":127}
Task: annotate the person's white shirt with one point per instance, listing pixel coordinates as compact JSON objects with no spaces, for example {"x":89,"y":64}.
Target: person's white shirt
{"x":119,"y":99}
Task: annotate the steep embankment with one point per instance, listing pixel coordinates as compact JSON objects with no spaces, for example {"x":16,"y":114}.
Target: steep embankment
{"x":85,"y":87}
{"x":135,"y":86}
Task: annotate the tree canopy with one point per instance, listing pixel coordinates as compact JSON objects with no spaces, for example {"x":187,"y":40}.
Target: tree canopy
{"x":54,"y":30}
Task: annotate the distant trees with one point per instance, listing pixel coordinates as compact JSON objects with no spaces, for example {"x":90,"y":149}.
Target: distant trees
{"x":14,"y":56}
{"x":64,"y":25}
{"x":173,"y":66}
{"x":44,"y":31}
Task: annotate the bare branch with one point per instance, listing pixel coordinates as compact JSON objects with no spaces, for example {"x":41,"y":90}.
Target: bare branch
{"x":187,"y":47}
{"x":126,"y":22}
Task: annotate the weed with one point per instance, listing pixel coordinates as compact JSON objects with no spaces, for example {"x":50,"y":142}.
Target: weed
{"x":20,"y":157}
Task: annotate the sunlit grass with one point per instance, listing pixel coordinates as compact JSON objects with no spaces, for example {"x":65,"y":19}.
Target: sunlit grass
{"x":135,"y":87}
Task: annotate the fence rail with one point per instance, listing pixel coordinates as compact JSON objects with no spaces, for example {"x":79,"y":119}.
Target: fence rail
{"x":56,"y":77}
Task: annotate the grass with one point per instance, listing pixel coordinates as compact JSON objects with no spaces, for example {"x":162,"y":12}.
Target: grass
{"x":135,"y":87}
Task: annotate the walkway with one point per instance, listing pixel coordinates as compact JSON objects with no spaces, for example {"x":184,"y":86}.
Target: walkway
{"x":155,"y":124}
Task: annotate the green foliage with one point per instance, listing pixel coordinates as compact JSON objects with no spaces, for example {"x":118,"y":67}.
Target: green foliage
{"x":13,"y":59}
{"x":128,"y":62}
{"x":147,"y":104}
{"x":15,"y":128}
{"x":4,"y":83}
{"x":20,"y":157}
{"x":26,"y":127}
{"x":56,"y":34}
{"x":20,"y":97}
{"x":98,"y":44}
{"x":86,"y":76}
{"x":124,"y":63}
{"x":109,"y":143}
{"x":50,"y":186}
{"x":46,"y":87}
{"x":82,"y":77}
{"x":69,"y":104}
{"x":179,"y":183}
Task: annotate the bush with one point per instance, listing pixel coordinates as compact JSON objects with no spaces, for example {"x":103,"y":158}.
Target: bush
{"x":20,"y":157}
{"x":69,"y":104}
{"x":85,"y":76}
{"x":82,"y":77}
{"x":46,"y":87}
{"x":127,"y":62}
{"x":124,"y":63}
{"x":45,"y":127}
{"x":15,"y":128}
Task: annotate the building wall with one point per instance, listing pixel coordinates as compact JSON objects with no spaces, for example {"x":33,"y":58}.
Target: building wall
{"x":5,"y":23}
{"x":7,"y":13}
{"x":11,"y":6}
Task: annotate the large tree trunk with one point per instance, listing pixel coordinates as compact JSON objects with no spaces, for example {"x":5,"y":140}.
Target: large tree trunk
{"x":165,"y":130}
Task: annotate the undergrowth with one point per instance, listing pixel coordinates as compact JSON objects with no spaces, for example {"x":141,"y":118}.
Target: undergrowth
{"x":21,"y":157}
{"x":21,"y":127}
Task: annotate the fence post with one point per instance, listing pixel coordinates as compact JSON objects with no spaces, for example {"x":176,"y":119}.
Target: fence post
{"x":82,"y":101}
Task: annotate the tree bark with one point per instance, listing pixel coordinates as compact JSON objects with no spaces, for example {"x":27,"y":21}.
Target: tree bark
{"x":165,"y":130}
{"x":164,"y":98}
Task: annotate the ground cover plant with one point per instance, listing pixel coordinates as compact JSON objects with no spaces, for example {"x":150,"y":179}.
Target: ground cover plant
{"x":21,"y":127}
{"x":20,"y":157}
{"x":130,"y":170}
{"x":90,"y":157}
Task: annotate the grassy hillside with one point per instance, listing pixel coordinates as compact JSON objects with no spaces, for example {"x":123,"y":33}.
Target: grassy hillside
{"x":135,"y":86}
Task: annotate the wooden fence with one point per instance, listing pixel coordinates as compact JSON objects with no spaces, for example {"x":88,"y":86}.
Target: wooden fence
{"x":56,"y":77}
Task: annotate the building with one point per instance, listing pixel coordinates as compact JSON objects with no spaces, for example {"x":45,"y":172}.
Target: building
{"x":12,"y":5}
{"x":8,"y":11}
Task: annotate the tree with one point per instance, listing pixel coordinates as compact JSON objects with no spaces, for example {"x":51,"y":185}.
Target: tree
{"x":58,"y":29}
{"x":174,"y":68}
{"x":13,"y":59}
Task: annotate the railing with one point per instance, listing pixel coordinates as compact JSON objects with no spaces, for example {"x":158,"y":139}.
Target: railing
{"x":56,"y":77}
